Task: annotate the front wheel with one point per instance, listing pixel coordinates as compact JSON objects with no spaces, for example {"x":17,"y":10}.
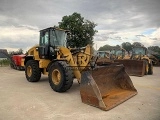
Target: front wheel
{"x":32,"y":71}
{"x":60,"y":78}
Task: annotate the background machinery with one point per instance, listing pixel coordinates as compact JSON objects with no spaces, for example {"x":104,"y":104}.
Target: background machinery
{"x":132,"y":67}
{"x":104,"y":87}
{"x":16,"y":61}
{"x":155,"y":59}
{"x":103,"y":58}
{"x":137,"y":63}
{"x":119,"y":54}
{"x":140,"y":53}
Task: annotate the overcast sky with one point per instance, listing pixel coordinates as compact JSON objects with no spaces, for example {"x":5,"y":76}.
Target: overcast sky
{"x":117,"y":21}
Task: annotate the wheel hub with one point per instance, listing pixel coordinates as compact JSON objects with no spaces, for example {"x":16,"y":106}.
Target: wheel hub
{"x":147,"y":67}
{"x":56,"y":76}
{"x":29,"y":71}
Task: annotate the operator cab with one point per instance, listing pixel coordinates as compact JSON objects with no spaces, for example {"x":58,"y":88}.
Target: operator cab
{"x":139,"y":51}
{"x":50,"y":40}
{"x":118,"y":52}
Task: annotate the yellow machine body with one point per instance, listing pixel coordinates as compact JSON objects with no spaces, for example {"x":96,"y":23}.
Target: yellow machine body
{"x":104,"y":87}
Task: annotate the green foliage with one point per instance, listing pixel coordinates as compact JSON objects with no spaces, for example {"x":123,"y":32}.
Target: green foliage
{"x":4,"y":62}
{"x":82,"y":31}
{"x":138,"y":44}
{"x":20,"y":51}
{"x":108,"y":47}
{"x":155,"y":49}
{"x":127,"y":46}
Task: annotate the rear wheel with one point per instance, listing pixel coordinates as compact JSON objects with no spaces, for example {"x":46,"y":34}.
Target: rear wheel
{"x":150,"y":69}
{"x":32,"y":71}
{"x":60,"y":78}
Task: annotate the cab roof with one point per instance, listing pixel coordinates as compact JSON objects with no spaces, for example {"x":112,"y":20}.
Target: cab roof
{"x":54,"y":28}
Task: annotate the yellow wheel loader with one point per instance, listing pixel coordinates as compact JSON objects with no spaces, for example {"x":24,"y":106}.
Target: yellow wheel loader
{"x":103,"y":58}
{"x":140,"y":53}
{"x":118,"y":54}
{"x":103,"y":87}
{"x":137,"y":64}
{"x":121,"y":56}
{"x":132,"y":67}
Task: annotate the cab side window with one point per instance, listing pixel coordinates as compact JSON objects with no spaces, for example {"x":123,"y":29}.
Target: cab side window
{"x":44,"y":38}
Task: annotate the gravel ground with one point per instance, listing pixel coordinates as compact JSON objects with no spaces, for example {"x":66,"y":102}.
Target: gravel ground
{"x":21,"y":100}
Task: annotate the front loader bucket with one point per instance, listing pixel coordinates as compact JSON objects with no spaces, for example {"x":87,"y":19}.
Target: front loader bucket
{"x":106,"y":87}
{"x":133,"y":67}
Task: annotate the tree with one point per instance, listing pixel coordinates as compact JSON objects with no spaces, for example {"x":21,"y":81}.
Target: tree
{"x":82,"y":31}
{"x":154,"y":48}
{"x":20,"y":51}
{"x":138,"y":44}
{"x":127,"y":46}
{"x":108,"y":47}
{"x":105,"y":47}
{"x":12,"y":53}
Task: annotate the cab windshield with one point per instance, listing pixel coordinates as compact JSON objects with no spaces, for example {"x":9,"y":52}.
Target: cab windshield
{"x":138,"y":51}
{"x":116,"y":52}
{"x":119,"y":52}
{"x":58,"y":38}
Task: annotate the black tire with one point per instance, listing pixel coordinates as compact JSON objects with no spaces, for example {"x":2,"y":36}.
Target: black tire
{"x":11,"y":65}
{"x":17,"y":67}
{"x":150,"y":69}
{"x":65,"y":81}
{"x":32,"y":71}
{"x":21,"y":68}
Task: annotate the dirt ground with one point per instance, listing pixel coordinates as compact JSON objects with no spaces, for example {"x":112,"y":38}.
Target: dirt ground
{"x":22,"y":100}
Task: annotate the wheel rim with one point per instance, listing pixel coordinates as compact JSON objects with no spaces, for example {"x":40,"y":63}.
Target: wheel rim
{"x":56,"y":77}
{"x":29,"y":71}
{"x":147,"y":67}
